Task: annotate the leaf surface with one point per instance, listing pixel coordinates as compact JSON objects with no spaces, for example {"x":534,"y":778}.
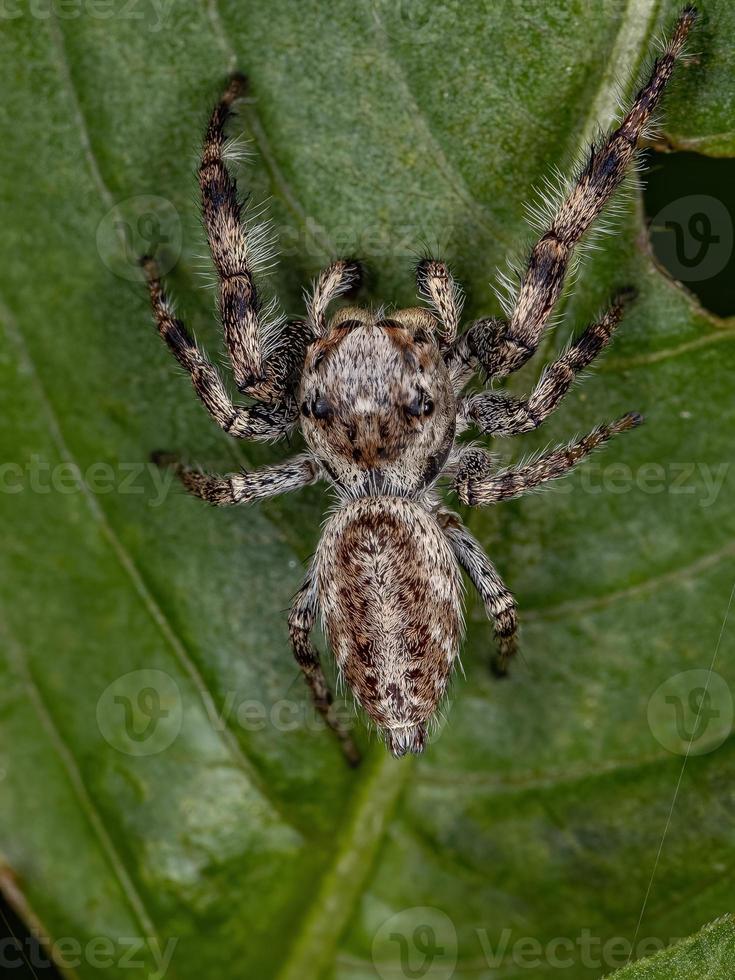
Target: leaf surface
{"x":541,"y":805}
{"x":709,"y":955}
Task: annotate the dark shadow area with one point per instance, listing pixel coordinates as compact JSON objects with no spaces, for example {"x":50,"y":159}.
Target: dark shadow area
{"x":21,"y":955}
{"x":690,"y":207}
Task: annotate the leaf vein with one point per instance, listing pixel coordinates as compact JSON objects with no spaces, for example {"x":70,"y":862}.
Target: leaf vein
{"x":702,"y":564}
{"x":615,"y":364}
{"x":76,"y":108}
{"x":454,"y":179}
{"x":86,"y":803}
{"x":220,"y":725}
{"x":354,"y":856}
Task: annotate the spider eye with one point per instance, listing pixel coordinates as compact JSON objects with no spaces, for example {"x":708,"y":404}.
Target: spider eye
{"x":321,"y":409}
{"x":420,"y":405}
{"x":415,"y":407}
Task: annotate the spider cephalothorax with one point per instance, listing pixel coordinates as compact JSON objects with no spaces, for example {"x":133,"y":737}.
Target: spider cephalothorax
{"x":379,"y":399}
{"x":388,"y":429}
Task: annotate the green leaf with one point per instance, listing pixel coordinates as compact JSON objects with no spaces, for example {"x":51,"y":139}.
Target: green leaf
{"x":709,"y":955}
{"x":547,"y":807}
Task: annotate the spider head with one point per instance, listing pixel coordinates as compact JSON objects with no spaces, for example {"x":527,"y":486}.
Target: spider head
{"x":377,"y":406}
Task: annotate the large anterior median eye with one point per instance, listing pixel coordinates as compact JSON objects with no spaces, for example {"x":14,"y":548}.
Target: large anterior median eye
{"x":319,"y":408}
{"x":322,"y":408}
{"x":420,"y":405}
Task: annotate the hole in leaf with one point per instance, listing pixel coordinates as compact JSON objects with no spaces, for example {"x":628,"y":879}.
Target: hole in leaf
{"x":690,"y":207}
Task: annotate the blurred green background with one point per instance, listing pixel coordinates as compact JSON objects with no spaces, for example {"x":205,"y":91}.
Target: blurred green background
{"x":167,"y":796}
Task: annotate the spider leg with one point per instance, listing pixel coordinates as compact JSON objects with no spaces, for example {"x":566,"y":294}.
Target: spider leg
{"x":300,"y":624}
{"x":243,"y":422}
{"x":235,"y":251}
{"x":464,"y":356}
{"x":498,"y":414}
{"x":244,"y":487}
{"x":437,"y":286}
{"x":476,"y":484}
{"x":284,"y":364}
{"x":505,"y":347}
{"x":498,"y":600}
{"x":340,"y":278}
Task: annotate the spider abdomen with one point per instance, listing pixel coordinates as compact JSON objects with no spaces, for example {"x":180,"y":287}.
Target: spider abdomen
{"x":391,"y":597}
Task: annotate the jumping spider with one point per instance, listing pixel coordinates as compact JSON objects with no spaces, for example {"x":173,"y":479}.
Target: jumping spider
{"x":379,"y":402}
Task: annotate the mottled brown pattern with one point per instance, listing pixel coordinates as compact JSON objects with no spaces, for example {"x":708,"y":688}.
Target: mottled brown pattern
{"x":378,"y":429}
{"x":597,"y":181}
{"x":437,"y":286}
{"x":390,"y":594}
{"x":378,"y":395}
{"x":498,"y":414}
